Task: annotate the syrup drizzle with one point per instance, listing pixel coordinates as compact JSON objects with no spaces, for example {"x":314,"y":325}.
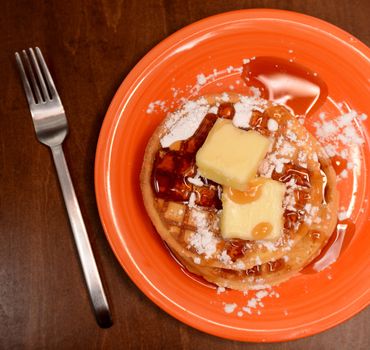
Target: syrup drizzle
{"x":173,"y":165}
{"x":252,"y":193}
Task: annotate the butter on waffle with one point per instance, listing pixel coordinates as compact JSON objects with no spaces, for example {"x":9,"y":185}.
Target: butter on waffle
{"x":185,"y":207}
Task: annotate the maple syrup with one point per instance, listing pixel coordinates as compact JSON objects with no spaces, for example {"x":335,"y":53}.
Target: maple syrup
{"x":292,"y":218}
{"x":252,"y":193}
{"x":259,"y":122}
{"x":254,"y":271}
{"x":193,"y":276}
{"x":173,"y":165}
{"x":273,"y":266}
{"x":293,"y":171}
{"x":287,"y":83}
{"x":302,"y":92}
{"x":235,"y":248}
{"x":339,"y":164}
{"x":337,"y":243}
{"x":262,"y":230}
{"x":226,"y":110}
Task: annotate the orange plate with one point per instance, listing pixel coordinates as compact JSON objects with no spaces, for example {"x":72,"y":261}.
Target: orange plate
{"x":308,"y":303}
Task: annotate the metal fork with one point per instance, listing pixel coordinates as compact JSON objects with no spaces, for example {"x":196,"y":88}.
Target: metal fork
{"x":51,"y":128}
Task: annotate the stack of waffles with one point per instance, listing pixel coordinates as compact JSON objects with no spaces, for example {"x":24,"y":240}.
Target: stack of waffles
{"x":185,"y":207}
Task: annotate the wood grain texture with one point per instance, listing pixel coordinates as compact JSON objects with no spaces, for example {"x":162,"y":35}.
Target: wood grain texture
{"x":90,"y":46}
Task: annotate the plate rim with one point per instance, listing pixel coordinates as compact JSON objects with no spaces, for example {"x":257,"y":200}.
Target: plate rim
{"x":116,"y":108}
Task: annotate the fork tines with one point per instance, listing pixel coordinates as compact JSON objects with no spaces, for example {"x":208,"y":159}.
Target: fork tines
{"x":37,"y":81}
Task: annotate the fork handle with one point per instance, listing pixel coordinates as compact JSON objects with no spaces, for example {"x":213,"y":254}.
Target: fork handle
{"x":89,"y":268}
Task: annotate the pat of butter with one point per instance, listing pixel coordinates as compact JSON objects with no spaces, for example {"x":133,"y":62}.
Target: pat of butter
{"x":231,"y":156}
{"x":240,"y":220}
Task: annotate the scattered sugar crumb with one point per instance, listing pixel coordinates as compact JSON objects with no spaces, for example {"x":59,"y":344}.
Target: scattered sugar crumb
{"x":240,"y":313}
{"x":239,"y":265}
{"x":201,"y":79}
{"x":344,"y":174}
{"x":156,"y":105}
{"x":196,"y":180}
{"x":252,"y":303}
{"x":220,"y":290}
{"x":229,"y":69}
{"x":229,"y":308}
{"x":272,"y":125}
{"x":225,"y":258}
{"x":197,"y":260}
{"x":256,"y":92}
{"x":225,"y":97}
{"x":261,"y":294}
{"x":192,"y":199}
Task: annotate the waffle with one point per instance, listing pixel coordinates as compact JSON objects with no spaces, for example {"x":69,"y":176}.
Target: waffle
{"x":190,"y":224}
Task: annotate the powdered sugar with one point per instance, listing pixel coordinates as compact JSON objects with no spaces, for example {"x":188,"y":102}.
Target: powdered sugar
{"x":225,"y":97}
{"x":157,"y":105}
{"x":239,"y":265}
{"x":229,"y":308}
{"x":197,"y":260}
{"x":196,"y":180}
{"x":225,"y":258}
{"x":252,"y":304}
{"x":201,"y":79}
{"x":342,"y":215}
{"x":192,"y":199}
{"x":183,"y":123}
{"x":311,"y":212}
{"x":203,"y":240}
{"x":340,"y":136}
{"x":277,"y":159}
{"x":272,"y":125}
{"x":243,"y":114}
{"x":270,"y":246}
{"x":244,"y":109}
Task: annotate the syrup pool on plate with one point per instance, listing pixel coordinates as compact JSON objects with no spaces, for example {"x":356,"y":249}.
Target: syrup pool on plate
{"x":286,"y":82}
{"x":338,"y":241}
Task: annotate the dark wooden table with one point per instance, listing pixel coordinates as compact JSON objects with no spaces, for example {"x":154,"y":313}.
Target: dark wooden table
{"x":90,"y":47}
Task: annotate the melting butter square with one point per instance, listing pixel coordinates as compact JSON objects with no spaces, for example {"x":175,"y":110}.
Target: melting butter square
{"x":239,"y":220}
{"x":231,"y":156}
